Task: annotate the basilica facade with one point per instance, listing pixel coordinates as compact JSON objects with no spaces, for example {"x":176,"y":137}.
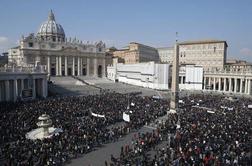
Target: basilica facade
{"x":60,"y":55}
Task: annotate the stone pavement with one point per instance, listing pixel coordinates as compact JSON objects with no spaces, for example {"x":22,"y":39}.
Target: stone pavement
{"x":99,"y":156}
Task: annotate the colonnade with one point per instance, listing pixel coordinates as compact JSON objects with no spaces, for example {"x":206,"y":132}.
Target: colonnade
{"x":76,"y":65}
{"x":11,"y":89}
{"x":230,"y":84}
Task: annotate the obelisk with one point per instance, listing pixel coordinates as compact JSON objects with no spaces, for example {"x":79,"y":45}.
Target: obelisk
{"x":175,"y":80}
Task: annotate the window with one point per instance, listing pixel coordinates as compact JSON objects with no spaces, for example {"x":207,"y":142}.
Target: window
{"x":54,"y":39}
{"x":30,"y":44}
{"x":214,"y":49}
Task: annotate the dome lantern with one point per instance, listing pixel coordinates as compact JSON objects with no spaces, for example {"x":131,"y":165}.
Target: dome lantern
{"x":50,"y":30}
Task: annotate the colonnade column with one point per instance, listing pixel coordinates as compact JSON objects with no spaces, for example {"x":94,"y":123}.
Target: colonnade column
{"x":22,"y":85}
{"x":209,"y":81}
{"x":214,"y":85}
{"x":44,"y":87}
{"x":66,"y":66}
{"x":241,"y":85}
{"x":78,"y":66}
{"x":48,"y":65}
{"x":219,"y":84}
{"x":57,"y":66}
{"x":73,"y":70}
{"x":249,"y":86}
{"x":87,"y":69}
{"x":246,"y":86}
{"x":225,"y":86}
{"x":104,"y":67}
{"x":235,"y":86}
{"x":60,"y":66}
{"x":7,"y":90}
{"x":33,"y":88}
{"x":15,"y":90}
{"x":204,"y":83}
{"x":95,"y":66}
{"x":230,"y":84}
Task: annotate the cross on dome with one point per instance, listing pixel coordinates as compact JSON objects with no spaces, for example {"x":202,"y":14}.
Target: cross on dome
{"x":51,"y":16}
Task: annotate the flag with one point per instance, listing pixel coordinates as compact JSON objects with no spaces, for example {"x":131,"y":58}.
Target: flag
{"x":126,"y":117}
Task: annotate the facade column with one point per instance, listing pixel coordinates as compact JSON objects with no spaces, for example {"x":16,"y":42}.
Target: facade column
{"x":230,"y":84}
{"x":241,"y":85}
{"x":88,"y":66}
{"x":60,"y":66}
{"x":57,"y":66}
{"x":7,"y":90}
{"x":81,"y":66}
{"x":49,"y":65}
{"x":95,"y":67}
{"x":104,"y":67}
{"x":78,"y":66}
{"x":214,"y":86}
{"x":235,"y":86}
{"x":219,"y":86}
{"x":73,"y":70}
{"x":33,"y":88}
{"x":225,"y":86}
{"x":66,"y":66}
{"x":15,"y":90}
{"x":249,"y":87}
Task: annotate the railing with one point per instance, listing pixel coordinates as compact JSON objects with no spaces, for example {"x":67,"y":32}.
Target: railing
{"x":12,"y":69}
{"x":242,"y":72}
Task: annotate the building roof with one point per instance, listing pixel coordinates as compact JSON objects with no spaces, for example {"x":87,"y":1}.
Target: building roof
{"x":141,"y":44}
{"x":165,"y":48}
{"x":202,"y":42}
{"x":15,"y":47}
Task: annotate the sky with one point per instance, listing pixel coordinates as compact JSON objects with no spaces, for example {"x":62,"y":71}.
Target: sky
{"x":150,"y":22}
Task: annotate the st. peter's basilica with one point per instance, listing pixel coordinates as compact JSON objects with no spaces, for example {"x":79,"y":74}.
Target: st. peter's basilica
{"x":60,"y":55}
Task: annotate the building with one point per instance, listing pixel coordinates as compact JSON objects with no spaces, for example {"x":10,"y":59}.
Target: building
{"x":62,"y":56}
{"x":238,"y":65}
{"x":22,"y":83}
{"x":166,"y":54}
{"x":211,"y":54}
{"x":191,"y":77}
{"x":3,"y":59}
{"x":137,"y":53}
{"x":149,"y":74}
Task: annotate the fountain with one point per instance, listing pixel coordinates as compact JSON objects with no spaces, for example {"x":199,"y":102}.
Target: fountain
{"x":45,"y":130}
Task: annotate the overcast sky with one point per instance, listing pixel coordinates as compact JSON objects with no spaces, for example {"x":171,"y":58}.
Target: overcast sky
{"x":118,"y":22}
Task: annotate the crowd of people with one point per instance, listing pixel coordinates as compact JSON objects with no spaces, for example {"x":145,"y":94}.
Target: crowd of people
{"x":82,"y":132}
{"x":207,"y":130}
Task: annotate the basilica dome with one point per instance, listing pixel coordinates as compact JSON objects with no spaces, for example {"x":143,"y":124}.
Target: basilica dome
{"x":50,"y":30}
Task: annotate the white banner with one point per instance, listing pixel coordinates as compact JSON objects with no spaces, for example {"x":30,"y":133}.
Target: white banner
{"x":126,"y":117}
{"x":97,"y":115}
